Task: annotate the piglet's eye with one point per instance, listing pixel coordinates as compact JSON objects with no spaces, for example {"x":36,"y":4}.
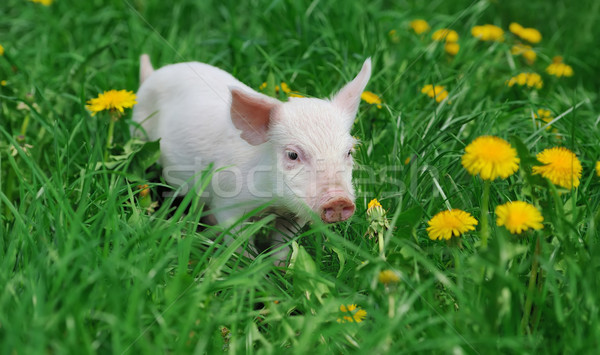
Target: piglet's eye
{"x":292,"y":155}
{"x":350,"y":152}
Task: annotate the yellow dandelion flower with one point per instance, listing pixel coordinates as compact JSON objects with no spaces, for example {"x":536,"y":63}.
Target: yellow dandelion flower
{"x":445,"y":34}
{"x":598,"y":168}
{"x":524,"y":50}
{"x":348,"y":308}
{"x":1,"y":50}
{"x":356,"y":314}
{"x":544,"y":115}
{"x":530,"y":35}
{"x":144,"y":190}
{"x":451,"y":48}
{"x":374,"y":203}
{"x":561,"y":167}
{"x":419,"y":26}
{"x":532,"y":80}
{"x":450,"y":223}
{"x":112,"y":100}
{"x":488,"y":33}
{"x":518,"y":216}
{"x":371,"y":98}
{"x":490,"y":157}
{"x":558,"y":68}
{"x":285,"y":88}
{"x":43,"y":2}
{"x":388,"y":276}
{"x":515,"y":28}
{"x":3,"y":83}
{"x":438,"y":92}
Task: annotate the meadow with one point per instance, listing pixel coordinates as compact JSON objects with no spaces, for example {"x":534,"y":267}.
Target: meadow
{"x":94,"y":261}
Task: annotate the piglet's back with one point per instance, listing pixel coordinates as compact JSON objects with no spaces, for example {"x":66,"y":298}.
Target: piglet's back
{"x":187,"y":106}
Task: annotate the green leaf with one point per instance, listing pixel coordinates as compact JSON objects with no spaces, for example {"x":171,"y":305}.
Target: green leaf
{"x":270,"y":89}
{"x":178,"y":287}
{"x":144,"y":157}
{"x":406,"y":221}
{"x":305,"y":274}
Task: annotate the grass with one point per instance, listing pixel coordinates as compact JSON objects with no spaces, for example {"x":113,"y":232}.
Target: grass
{"x":85,"y":268}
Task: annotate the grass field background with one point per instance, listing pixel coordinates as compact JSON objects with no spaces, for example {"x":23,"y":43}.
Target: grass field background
{"x":85,"y":268}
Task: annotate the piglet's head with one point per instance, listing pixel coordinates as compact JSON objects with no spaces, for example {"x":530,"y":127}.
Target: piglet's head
{"x":312,"y":146}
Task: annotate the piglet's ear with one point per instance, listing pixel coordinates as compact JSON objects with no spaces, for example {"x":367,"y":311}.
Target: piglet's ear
{"x":348,"y":98}
{"x":251,"y":113}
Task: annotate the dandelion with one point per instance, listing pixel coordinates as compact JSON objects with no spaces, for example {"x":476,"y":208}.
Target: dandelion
{"x":561,"y":167}
{"x":450,"y":223}
{"x":388,"y":276}
{"x":144,"y":190}
{"x":378,"y":223}
{"x":438,"y":92}
{"x":451,"y":37}
{"x":451,"y":48}
{"x":526,"y":79}
{"x":524,"y":50}
{"x":114,"y":101}
{"x":43,"y":2}
{"x":1,"y":50}
{"x":488,"y":33}
{"x":558,"y":68}
{"x":3,"y":83}
{"x":598,"y":168}
{"x":445,"y":34}
{"x":372,"y":205}
{"x":354,"y":314}
{"x":490,"y":157}
{"x":284,"y":87}
{"x":518,"y":216}
{"x":544,"y":115}
{"x":530,"y":35}
{"x":146,"y":200}
{"x":515,"y":28}
{"x":371,"y":98}
{"x":419,"y":26}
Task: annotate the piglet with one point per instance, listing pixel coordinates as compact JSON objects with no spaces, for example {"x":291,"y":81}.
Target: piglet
{"x":297,"y":155}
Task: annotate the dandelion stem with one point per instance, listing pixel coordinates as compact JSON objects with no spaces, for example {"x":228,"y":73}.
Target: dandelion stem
{"x":381,"y":245}
{"x":531,"y":287}
{"x":109,"y":138}
{"x":485,"y":230}
{"x":391,"y":306}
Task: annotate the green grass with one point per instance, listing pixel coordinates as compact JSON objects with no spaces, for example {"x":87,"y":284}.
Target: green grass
{"x":84,"y":268}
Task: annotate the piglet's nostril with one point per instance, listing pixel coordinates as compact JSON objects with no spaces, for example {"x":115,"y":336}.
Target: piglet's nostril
{"x":337,"y":210}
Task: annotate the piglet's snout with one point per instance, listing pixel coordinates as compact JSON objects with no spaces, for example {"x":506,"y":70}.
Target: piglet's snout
{"x":337,"y":209}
